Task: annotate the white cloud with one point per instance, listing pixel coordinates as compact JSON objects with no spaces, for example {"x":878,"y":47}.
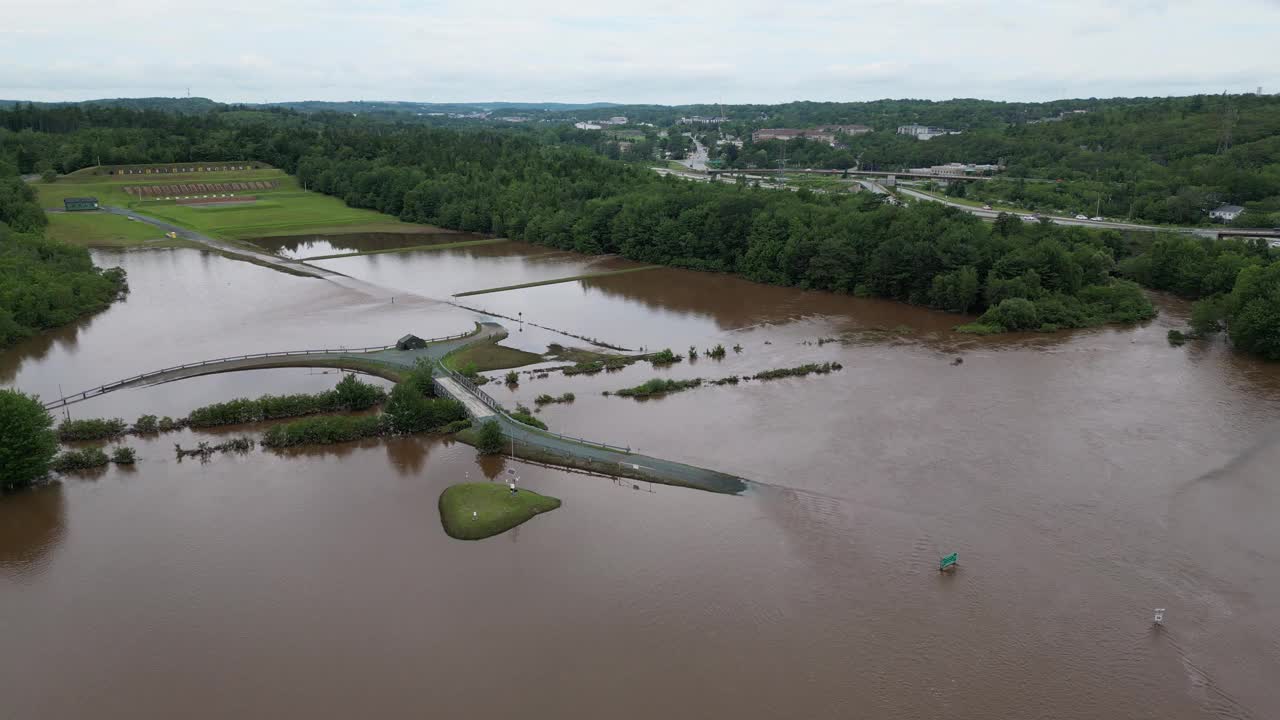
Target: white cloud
{"x":670,"y":52}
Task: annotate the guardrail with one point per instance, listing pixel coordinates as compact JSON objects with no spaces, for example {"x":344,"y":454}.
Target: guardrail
{"x":485,"y":398}
{"x":104,"y":389}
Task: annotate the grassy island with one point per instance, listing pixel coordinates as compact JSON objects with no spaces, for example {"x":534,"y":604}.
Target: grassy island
{"x":474,"y":511}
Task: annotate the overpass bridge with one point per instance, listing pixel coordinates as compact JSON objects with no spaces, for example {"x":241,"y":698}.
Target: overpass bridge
{"x":849,"y":172}
{"x":391,"y":363}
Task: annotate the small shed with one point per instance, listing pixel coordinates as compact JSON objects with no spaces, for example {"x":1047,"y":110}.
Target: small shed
{"x":410,"y":342}
{"x":80,"y":203}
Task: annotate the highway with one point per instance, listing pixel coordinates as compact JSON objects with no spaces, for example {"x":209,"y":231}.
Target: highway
{"x":1057,"y":219}
{"x":989,"y":215}
{"x":697,"y":161}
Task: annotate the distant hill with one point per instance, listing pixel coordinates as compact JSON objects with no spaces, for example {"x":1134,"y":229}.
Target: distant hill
{"x":191,"y":105}
{"x":184,"y":105}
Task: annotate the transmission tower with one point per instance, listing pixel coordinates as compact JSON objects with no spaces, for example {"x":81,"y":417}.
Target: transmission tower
{"x":1230,"y":115}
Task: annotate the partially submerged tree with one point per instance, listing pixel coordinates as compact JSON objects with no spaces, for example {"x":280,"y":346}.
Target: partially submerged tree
{"x":489,"y":438}
{"x":27,"y":440}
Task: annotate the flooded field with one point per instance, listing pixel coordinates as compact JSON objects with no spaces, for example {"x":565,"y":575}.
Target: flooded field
{"x":1083,"y":478}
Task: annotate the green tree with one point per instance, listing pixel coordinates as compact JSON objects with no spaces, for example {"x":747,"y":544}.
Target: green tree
{"x":1013,"y":314}
{"x":1253,"y":311}
{"x":957,"y":290}
{"x":489,"y":438}
{"x":352,"y":394}
{"x":27,"y":440}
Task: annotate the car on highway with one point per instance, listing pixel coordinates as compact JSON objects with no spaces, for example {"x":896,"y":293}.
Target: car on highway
{"x":1097,"y":218}
{"x":986,"y":207}
{"x":1082,"y":217}
{"x":1029,"y":218}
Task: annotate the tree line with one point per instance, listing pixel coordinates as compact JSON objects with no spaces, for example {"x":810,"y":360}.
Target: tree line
{"x":43,"y":284}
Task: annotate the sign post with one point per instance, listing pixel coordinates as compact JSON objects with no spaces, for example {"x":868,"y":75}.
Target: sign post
{"x":948,"y":562}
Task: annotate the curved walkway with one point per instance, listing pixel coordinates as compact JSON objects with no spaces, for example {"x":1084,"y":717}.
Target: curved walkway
{"x":388,"y":362}
{"x":385,"y":362}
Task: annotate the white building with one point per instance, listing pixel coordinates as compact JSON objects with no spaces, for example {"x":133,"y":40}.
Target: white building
{"x":586,"y":126}
{"x":924,"y":132}
{"x":956,"y":169}
{"x":1226,"y":213}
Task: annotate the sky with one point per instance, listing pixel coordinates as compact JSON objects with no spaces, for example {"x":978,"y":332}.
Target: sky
{"x":739,"y":51}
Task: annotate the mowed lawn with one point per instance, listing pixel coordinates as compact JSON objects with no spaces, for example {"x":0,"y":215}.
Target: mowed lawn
{"x":96,"y":229}
{"x":283,"y":210}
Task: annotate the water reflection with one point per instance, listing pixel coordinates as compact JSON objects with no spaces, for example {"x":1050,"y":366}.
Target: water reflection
{"x":302,"y":246}
{"x":32,"y":527}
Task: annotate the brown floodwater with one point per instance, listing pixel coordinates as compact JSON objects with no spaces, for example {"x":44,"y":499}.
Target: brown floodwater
{"x":1083,"y":478}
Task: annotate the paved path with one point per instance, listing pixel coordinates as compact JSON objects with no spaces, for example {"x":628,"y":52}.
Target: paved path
{"x":276,"y":261}
{"x":529,"y":442}
{"x":385,"y":362}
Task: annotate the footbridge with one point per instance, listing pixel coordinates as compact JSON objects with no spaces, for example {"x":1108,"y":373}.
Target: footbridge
{"x":392,"y":363}
{"x":384,"y":361}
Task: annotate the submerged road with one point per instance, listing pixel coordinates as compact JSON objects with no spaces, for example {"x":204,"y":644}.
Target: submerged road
{"x":292,"y":266}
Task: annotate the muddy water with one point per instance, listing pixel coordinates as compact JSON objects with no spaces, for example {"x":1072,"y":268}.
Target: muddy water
{"x":1083,"y":479}
{"x":442,"y":273}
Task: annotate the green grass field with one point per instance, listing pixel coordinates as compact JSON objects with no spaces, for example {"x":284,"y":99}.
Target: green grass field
{"x":474,"y":511}
{"x":93,"y":229}
{"x":490,"y":356}
{"x":284,"y":210}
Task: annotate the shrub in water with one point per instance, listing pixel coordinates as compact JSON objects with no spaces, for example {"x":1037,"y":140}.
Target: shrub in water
{"x":91,"y":429}
{"x":322,"y":431}
{"x":72,"y":460}
{"x":124,"y":455}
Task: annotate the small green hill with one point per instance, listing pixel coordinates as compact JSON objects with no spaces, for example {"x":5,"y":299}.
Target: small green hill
{"x":474,"y":511}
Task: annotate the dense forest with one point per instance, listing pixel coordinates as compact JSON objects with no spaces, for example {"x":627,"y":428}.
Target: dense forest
{"x":517,"y":184}
{"x":43,"y":284}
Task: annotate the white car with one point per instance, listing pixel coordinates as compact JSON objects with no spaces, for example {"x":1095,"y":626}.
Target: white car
{"x":1082,"y":217}
{"x":986,"y":207}
{"x":1029,"y":218}
{"x":1097,"y":218}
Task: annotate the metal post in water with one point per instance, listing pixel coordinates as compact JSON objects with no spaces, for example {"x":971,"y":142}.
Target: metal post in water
{"x":1159,"y":617}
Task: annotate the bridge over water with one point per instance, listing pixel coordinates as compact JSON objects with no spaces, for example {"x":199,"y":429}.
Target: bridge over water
{"x":392,"y":363}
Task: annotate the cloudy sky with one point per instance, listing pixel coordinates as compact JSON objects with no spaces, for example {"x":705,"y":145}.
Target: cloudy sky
{"x":654,"y":51}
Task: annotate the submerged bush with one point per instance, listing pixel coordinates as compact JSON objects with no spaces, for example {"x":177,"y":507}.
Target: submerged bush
{"x":72,"y":460}
{"x":323,"y":430}
{"x":349,"y":394}
{"x":546,"y":399}
{"x":523,"y":415}
{"x":658,"y":386}
{"x":146,"y":424}
{"x":91,"y":429}
{"x":664,"y":357}
{"x":800,"y":371}
{"x":124,"y":455}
